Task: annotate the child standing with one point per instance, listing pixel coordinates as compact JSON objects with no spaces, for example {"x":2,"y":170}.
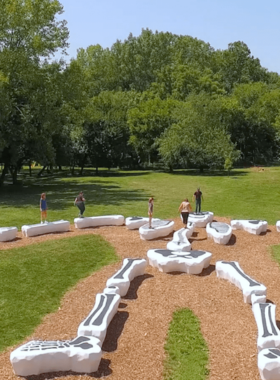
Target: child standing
{"x":43,"y":208}
{"x":150,"y":211}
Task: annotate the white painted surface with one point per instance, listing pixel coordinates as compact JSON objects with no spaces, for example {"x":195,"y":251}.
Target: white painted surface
{"x":135,"y":222}
{"x":269,"y":364}
{"x":160,"y":228}
{"x":46,"y":228}
{"x":268,"y":333}
{"x":180,"y":241}
{"x":254,"y":227}
{"x":8,"y":233}
{"x":98,"y":221}
{"x":201,"y":219}
{"x":219,"y":234}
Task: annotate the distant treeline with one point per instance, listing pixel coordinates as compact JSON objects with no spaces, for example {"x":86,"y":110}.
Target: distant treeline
{"x":158,"y":99}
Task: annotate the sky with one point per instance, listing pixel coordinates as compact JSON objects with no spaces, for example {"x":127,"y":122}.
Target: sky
{"x":218,"y":22}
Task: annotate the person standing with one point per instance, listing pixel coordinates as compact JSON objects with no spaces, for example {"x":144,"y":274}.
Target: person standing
{"x":185,"y":208}
{"x":80,"y":203}
{"x":150,"y":211}
{"x":43,"y":208}
{"x":198,"y":197}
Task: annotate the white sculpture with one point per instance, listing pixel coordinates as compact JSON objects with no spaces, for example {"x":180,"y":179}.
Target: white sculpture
{"x":269,"y":364}
{"x":159,"y":228}
{"x":231,"y":271}
{"x":97,"y":322}
{"x":130,"y":269}
{"x":219,"y":232}
{"x":268,"y":333}
{"x":135,"y":222}
{"x":252,"y":226}
{"x":8,"y":233}
{"x":46,"y":228}
{"x":180,"y":241}
{"x":98,"y":221}
{"x":258,"y":299}
{"x":112,"y":290}
{"x":168,"y":261}
{"x":278,"y":226}
{"x":82,"y":354}
{"x":201,"y":219}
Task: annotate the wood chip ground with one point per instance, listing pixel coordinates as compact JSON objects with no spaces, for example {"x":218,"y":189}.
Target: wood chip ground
{"x":134,"y":345}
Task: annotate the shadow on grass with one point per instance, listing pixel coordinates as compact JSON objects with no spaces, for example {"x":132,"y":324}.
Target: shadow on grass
{"x":210,"y":173}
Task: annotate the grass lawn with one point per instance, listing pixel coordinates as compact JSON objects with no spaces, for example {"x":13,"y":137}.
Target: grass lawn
{"x":187,"y":352}
{"x":244,"y":194}
{"x":34,"y":279}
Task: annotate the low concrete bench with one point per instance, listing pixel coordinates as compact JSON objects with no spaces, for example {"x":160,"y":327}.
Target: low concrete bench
{"x":8,"y":233}
{"x":268,"y":332}
{"x":46,"y":228}
{"x":135,"y":222}
{"x":168,"y":261}
{"x":82,"y":354}
{"x":180,"y":241}
{"x":98,"y":221}
{"x":219,"y":232}
{"x":278,"y":226}
{"x":269,"y":363}
{"x":201,"y":219}
{"x":160,"y":228}
{"x":252,"y":226}
{"x":231,"y":271}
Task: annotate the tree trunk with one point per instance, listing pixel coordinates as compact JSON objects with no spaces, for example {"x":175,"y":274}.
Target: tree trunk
{"x":4,"y":172}
{"x":41,"y":171}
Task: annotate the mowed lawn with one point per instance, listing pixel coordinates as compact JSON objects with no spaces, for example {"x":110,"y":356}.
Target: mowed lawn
{"x":246,"y":193}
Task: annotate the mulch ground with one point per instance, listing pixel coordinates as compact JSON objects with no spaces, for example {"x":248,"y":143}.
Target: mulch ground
{"x":134,"y":345}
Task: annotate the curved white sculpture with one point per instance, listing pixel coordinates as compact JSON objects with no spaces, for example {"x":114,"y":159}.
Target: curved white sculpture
{"x":201,"y":219}
{"x":231,"y":271}
{"x":112,"y":290}
{"x":8,"y":233}
{"x":268,"y":333}
{"x":160,"y":228}
{"x":252,"y":226}
{"x":98,"y":221}
{"x":278,"y":226}
{"x":135,"y":222}
{"x":219,"y":232}
{"x":97,"y":322}
{"x":46,"y":228}
{"x":82,"y":354}
{"x":180,"y":241}
{"x":167,"y":261}
{"x":130,"y":269}
{"x":258,"y":299}
{"x":269,"y":364}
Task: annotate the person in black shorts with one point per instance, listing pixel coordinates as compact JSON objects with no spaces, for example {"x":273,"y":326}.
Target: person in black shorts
{"x":80,"y":203}
{"x":185,"y":208}
{"x":197,"y":197}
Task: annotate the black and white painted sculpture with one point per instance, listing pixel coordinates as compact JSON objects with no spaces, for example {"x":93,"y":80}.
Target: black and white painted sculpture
{"x":268,"y":333}
{"x":258,"y":298}
{"x":180,"y":241}
{"x":82,"y":354}
{"x":269,"y":364}
{"x":46,"y":228}
{"x":219,"y":232}
{"x":135,"y":222}
{"x":130,"y":269}
{"x":231,"y":271}
{"x":252,"y":226}
{"x":98,"y":221}
{"x":201,"y":219}
{"x":278,"y":226}
{"x":8,"y":233}
{"x":168,"y":261}
{"x":97,"y":322}
{"x":160,"y":228}
{"x":112,"y":290}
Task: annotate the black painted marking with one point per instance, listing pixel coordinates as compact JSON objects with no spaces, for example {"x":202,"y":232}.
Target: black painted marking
{"x":87,"y":321}
{"x":79,"y":342}
{"x":181,"y":236}
{"x":274,"y":353}
{"x":157,"y":223}
{"x":98,"y":321}
{"x":191,"y":255}
{"x":119,"y":275}
{"x":249,"y":279}
{"x":274,"y":331}
{"x":136,"y":218}
{"x":262,"y":307}
{"x":220,"y":227}
{"x":254,"y":221}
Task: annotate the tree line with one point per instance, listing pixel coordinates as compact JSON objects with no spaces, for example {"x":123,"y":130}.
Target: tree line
{"x":158,"y":99}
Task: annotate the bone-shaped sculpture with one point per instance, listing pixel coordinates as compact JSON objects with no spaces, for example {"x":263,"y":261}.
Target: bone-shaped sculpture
{"x":159,"y":228}
{"x":130,"y":269}
{"x":135,"y":222}
{"x":168,"y":261}
{"x":82,"y":354}
{"x":252,"y":226}
{"x":269,"y":363}
{"x":180,"y":241}
{"x":97,"y":322}
{"x":8,"y":233}
{"x":231,"y":271}
{"x":278,"y":226}
{"x":268,"y":333}
{"x":98,"y":221}
{"x":219,"y":232}
{"x":201,"y":219}
{"x":40,"y":229}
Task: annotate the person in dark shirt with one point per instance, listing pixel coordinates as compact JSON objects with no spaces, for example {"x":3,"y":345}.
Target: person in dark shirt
{"x":43,"y":208}
{"x":80,"y":203}
{"x":198,"y":197}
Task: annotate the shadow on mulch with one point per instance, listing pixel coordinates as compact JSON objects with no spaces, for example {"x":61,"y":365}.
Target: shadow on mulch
{"x":192,"y":240}
{"x":114,"y":331}
{"x":232,"y":240}
{"x":134,"y":286}
{"x":103,"y":370}
{"x":207,"y":271}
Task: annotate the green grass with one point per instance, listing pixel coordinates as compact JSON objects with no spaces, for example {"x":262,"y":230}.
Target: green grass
{"x":187,"y":352}
{"x":34,"y":279}
{"x":243,"y":194}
